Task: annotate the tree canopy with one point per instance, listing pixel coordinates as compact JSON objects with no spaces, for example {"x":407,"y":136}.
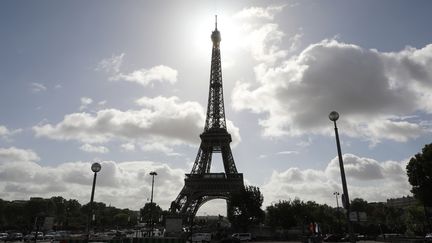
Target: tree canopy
{"x":244,"y":208}
{"x":150,"y":212}
{"x":67,"y":214}
{"x":419,"y":171}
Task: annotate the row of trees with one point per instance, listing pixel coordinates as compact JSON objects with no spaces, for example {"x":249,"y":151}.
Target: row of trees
{"x":381,"y":218}
{"x":67,"y":214}
{"x":244,"y":211}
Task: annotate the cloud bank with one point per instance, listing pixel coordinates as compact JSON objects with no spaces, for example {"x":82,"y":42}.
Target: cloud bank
{"x":128,"y":185}
{"x":367,"y":178}
{"x":160,"y":124}
{"x":122,"y":184}
{"x":145,"y":77}
{"x":376,"y":93}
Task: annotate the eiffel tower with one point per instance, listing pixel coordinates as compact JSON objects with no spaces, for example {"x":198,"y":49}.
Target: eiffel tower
{"x":200,"y":185}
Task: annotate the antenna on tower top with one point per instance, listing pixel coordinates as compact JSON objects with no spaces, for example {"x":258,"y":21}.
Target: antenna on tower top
{"x":216,"y":22}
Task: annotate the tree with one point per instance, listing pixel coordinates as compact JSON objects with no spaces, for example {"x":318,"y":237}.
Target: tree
{"x":287,"y":214}
{"x":60,"y":210}
{"x":244,"y":208}
{"x":359,"y":205}
{"x":419,"y":171}
{"x":150,"y":211}
{"x":281,"y":215}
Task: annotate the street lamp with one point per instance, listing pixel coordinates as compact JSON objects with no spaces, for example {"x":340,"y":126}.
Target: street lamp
{"x":95,"y":167}
{"x":337,"y":208}
{"x":153,"y":174}
{"x":333,"y":116}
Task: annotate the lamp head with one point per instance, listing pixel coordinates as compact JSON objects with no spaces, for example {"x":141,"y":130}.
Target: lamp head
{"x":333,"y":116}
{"x":96,"y":167}
{"x":153,"y":173}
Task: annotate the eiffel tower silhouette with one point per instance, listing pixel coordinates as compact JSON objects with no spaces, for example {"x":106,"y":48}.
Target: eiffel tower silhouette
{"x":200,"y":185}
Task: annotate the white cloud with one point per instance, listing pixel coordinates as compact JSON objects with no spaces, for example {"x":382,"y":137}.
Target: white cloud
{"x":122,"y":184}
{"x":94,"y":148}
{"x":366,"y":178}
{"x":258,"y":12}
{"x":373,"y":91}
{"x":263,"y":43}
{"x":128,"y":147}
{"x":288,"y":152}
{"x":6,"y":133}
{"x":159,"y":125}
{"x":262,"y":38}
{"x":360,"y":84}
{"x":111,"y":65}
{"x":85,"y":101}
{"x":12,"y":154}
{"x":102,"y":102}
{"x":37,"y":87}
{"x":3,"y":131}
{"x":145,"y":77}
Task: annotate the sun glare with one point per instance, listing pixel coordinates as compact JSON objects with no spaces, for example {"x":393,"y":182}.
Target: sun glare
{"x":230,"y":31}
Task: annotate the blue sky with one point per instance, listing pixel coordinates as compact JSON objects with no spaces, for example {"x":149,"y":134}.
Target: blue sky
{"x":126,"y":83}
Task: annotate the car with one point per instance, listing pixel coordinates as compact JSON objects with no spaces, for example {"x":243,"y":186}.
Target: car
{"x":428,"y":237}
{"x":14,"y":237}
{"x":360,"y":237}
{"x":201,"y":237}
{"x":242,"y":236}
{"x":3,"y":236}
{"x":28,"y":237}
{"x":31,"y":236}
{"x":60,"y":235}
{"x":49,"y":236}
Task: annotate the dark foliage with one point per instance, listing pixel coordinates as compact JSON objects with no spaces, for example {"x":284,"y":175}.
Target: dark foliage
{"x":419,"y":171}
{"x":244,"y":209}
{"x":67,"y":214}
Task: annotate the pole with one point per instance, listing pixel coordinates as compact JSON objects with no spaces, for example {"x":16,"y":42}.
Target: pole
{"x":344,"y":185}
{"x":89,"y":219}
{"x":151,"y":205}
{"x":338,"y":211}
{"x":37,"y":229}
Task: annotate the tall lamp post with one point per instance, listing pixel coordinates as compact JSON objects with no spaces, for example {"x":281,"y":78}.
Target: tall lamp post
{"x":153,"y":174}
{"x":96,"y":167}
{"x":345,"y":198}
{"x":337,"y":208}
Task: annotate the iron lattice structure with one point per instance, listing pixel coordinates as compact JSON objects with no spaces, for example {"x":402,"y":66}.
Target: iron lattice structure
{"x":201,"y":185}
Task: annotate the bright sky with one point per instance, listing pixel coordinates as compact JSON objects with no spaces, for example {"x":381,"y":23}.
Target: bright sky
{"x":126,"y":83}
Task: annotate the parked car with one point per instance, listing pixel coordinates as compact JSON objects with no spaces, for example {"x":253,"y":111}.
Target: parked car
{"x":201,"y":237}
{"x":428,"y":237}
{"x":32,"y":236}
{"x":28,"y":237}
{"x":60,"y":235}
{"x":14,"y":237}
{"x":49,"y":236}
{"x":243,"y":236}
{"x":3,"y":236}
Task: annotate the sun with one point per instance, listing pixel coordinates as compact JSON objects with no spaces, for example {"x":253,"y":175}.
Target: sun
{"x":229,"y":28}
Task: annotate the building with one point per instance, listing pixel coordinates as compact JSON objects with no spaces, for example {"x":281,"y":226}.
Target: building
{"x":402,"y":202}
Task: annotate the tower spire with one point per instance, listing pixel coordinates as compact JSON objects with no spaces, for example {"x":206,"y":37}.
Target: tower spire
{"x":216,"y":22}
